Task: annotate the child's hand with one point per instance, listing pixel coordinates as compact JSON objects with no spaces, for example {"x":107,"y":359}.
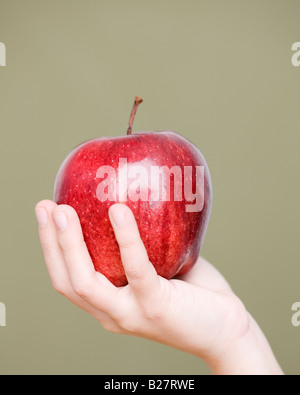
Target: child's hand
{"x":197,"y":313}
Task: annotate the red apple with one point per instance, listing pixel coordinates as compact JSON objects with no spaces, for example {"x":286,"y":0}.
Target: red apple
{"x":150,"y":172}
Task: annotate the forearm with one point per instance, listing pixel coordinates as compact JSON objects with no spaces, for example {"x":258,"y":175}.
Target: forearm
{"x":250,"y":355}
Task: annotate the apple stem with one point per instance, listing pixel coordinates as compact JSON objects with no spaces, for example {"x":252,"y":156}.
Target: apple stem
{"x":137,"y":101}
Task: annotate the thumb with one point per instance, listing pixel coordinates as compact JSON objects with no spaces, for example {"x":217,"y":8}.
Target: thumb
{"x":141,"y":274}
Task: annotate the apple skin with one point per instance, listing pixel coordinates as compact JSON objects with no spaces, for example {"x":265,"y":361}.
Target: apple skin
{"x":172,"y":236}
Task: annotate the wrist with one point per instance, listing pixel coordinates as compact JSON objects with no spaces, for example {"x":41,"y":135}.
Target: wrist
{"x":250,"y":354}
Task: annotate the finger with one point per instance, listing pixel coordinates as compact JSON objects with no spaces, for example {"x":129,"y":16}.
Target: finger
{"x":90,"y":285}
{"x":55,"y":261}
{"x":141,"y":274}
{"x":52,"y":253}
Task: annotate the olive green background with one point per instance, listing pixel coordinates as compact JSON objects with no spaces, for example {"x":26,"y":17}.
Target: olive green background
{"x":218,"y":72}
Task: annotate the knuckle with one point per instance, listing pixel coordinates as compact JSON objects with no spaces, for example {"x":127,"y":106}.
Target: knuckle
{"x":139,"y":272}
{"x":129,"y":242}
{"x":111,"y":327}
{"x":59,"y":287}
{"x":151,"y":312}
{"x":236,"y":312}
{"x":128,"y":324}
{"x":66,"y":244}
{"x":237,"y":308}
{"x":83,"y":290}
{"x":155,"y":305}
{"x":136,"y":275}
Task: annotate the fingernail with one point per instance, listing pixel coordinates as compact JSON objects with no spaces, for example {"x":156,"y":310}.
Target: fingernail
{"x":117,"y":216}
{"x":42,"y":216}
{"x":60,"y":220}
